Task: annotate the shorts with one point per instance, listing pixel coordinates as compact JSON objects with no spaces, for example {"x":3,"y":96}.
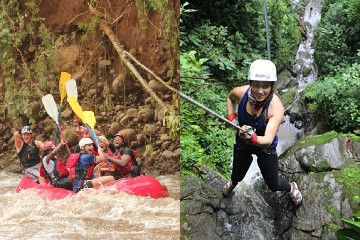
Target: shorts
{"x":33,"y":172}
{"x":63,"y":183}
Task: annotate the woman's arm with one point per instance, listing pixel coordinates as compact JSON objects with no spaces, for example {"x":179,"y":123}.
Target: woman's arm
{"x":234,"y":98}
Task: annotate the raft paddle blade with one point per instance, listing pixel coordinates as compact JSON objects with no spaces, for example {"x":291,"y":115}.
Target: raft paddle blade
{"x":64,"y":77}
{"x":76,"y":107}
{"x":50,"y":107}
{"x":90,"y":118}
{"x":71,"y":88}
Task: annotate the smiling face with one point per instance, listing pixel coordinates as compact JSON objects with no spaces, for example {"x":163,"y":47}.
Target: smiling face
{"x":118,"y":142}
{"x":27,"y":137}
{"x":88,"y":148}
{"x":260,"y":89}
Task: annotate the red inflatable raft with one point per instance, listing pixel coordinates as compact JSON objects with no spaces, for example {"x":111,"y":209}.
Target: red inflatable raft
{"x":140,"y":186}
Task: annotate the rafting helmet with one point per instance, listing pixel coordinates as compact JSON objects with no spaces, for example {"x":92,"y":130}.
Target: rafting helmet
{"x":262,"y":70}
{"x":120,"y":135}
{"x":26,"y":129}
{"x":49,"y":145}
{"x":85,"y":141}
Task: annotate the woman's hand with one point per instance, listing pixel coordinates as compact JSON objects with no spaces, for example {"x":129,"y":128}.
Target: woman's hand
{"x":248,"y":134}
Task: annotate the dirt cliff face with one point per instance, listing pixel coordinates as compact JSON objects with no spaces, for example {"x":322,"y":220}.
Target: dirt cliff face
{"x":105,"y":84}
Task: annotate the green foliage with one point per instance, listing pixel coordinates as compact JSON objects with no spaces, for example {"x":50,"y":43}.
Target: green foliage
{"x":172,"y":119}
{"x":204,"y":140}
{"x":338,"y":35}
{"x":285,"y":36}
{"x":337,"y":100}
{"x":89,"y":28}
{"x":353,"y":232}
{"x":232,"y":34}
{"x":350,"y":180}
{"x":22,"y":30}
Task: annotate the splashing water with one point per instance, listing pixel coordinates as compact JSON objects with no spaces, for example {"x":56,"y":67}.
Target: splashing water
{"x":96,"y":214}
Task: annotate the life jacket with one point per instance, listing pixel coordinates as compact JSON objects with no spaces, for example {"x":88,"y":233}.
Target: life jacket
{"x":75,"y":171}
{"x":59,"y":172}
{"x":127,"y":169}
{"x":29,"y":155}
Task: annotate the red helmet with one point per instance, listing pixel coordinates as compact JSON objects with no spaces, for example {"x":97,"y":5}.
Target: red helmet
{"x":120,"y":135}
{"x":49,"y":145}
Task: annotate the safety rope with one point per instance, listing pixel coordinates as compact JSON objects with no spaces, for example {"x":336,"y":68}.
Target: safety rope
{"x":267,"y":31}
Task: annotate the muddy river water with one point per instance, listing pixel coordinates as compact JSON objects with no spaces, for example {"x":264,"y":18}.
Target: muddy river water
{"x":95,"y":215}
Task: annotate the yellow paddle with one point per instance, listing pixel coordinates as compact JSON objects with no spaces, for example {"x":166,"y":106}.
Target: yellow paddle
{"x":89,"y":119}
{"x":64,"y":77}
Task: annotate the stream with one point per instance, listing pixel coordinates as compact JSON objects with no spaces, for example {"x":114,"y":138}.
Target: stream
{"x":96,"y":215}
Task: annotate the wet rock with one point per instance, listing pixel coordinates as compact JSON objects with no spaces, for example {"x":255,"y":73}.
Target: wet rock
{"x":159,"y":114}
{"x":124,"y":121}
{"x":141,"y":138}
{"x":299,"y":124}
{"x":130,"y":134}
{"x":321,"y":157}
{"x":166,"y":145}
{"x":114,"y":128}
{"x":324,"y":199}
{"x":157,"y":86}
{"x":67,"y":114}
{"x":165,"y":137}
{"x":146,"y":115}
{"x":150,"y":130}
{"x":132,"y":113}
{"x":148,"y":100}
{"x":66,"y":58}
{"x":71,"y":136}
{"x":103,"y":63}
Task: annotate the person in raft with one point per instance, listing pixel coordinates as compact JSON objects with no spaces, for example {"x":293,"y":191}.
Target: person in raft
{"x":28,"y":150}
{"x":260,"y":113}
{"x":85,"y":162}
{"x":52,"y":168}
{"x":84,"y":133}
{"x":124,"y":159}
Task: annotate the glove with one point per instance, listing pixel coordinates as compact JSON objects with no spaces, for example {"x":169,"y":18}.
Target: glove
{"x":233,"y":118}
{"x":248,"y":134}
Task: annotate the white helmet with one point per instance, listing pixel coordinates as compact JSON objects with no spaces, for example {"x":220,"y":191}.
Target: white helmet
{"x":85,"y":141}
{"x":262,"y":70}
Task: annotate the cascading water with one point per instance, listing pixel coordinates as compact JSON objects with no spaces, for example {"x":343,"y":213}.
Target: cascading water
{"x":304,"y":68}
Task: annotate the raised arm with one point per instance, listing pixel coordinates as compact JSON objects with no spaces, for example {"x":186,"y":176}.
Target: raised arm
{"x":18,"y":142}
{"x":53,"y":153}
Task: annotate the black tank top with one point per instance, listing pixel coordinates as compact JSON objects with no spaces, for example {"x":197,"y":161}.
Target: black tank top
{"x":29,"y":154}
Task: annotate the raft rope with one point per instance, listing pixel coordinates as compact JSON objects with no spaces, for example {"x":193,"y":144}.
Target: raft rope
{"x":267,"y":31}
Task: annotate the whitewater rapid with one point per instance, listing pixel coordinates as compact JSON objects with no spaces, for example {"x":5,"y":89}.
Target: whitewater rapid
{"x":94,"y":215}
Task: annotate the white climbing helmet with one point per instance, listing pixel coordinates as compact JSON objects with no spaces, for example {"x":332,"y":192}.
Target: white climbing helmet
{"x":85,"y":141}
{"x":262,"y":70}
